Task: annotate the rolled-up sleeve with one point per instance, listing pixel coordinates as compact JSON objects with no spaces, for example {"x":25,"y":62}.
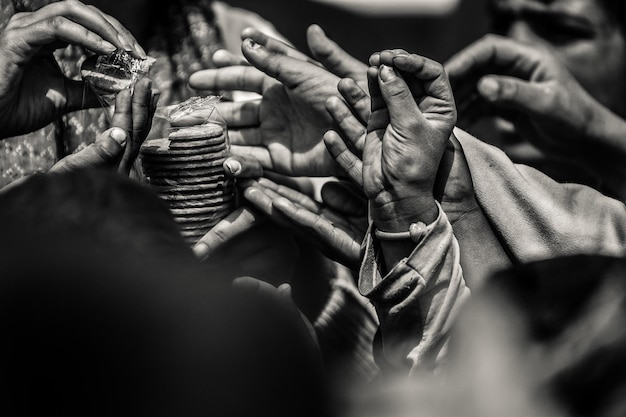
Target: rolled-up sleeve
{"x":417,"y":301}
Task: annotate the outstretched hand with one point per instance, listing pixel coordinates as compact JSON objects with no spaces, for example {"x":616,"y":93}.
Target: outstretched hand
{"x":33,"y":90}
{"x":290,"y":118}
{"x":531,"y":88}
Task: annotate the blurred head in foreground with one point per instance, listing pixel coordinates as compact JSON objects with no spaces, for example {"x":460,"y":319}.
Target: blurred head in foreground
{"x":104,"y":311}
{"x":545,"y":339}
{"x":548,"y":338}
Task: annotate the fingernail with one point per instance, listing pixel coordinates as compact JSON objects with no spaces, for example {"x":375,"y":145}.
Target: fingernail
{"x":108,"y":46}
{"x":386,"y":73}
{"x":489,"y":88}
{"x":141,"y":51}
{"x":252,"y":44}
{"x":201,"y":250}
{"x":118,"y":135}
{"x":233,"y":166}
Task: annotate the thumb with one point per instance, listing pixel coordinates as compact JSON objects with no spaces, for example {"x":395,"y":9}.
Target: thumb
{"x":332,"y":56}
{"x":533,"y":99}
{"x":242,"y":167}
{"x":107,"y":148}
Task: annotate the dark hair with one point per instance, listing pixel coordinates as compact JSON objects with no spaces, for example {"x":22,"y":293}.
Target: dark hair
{"x":104,"y":310}
{"x":95,"y":206}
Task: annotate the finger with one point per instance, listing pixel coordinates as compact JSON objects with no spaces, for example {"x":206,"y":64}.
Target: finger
{"x":244,"y":78}
{"x":376,"y":58}
{"x":533,"y":99}
{"x":223,"y":58}
{"x":341,"y":199}
{"x":353,"y":130}
{"x":349,"y":162}
{"x":493,"y":54}
{"x":290,"y":71}
{"x":426,"y":77}
{"x":27,"y":41}
{"x":241,"y":167}
{"x":141,"y":53}
{"x":332,"y":56}
{"x":331,"y":240}
{"x":122,"y":116}
{"x":233,"y":225}
{"x":89,"y":18}
{"x":261,"y":199}
{"x":259,"y":153}
{"x":246,"y":137}
{"x":141,"y":104}
{"x":403,"y":110}
{"x":376,"y":97}
{"x":358,"y":99}
{"x":387,"y":56}
{"x":106,"y":150}
{"x":275,"y":45}
{"x":292,"y":195}
{"x":240,"y":114}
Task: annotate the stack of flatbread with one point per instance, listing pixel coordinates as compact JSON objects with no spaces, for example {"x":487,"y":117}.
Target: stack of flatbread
{"x":186,"y":171}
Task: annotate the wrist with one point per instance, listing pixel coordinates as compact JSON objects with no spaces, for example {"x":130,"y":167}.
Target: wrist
{"x":395,"y":213}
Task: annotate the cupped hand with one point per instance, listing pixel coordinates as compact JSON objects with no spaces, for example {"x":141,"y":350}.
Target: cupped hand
{"x":286,"y":137}
{"x":413,"y":114}
{"x":33,"y":90}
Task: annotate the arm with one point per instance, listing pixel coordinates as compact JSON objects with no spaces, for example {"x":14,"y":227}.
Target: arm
{"x":417,"y":300}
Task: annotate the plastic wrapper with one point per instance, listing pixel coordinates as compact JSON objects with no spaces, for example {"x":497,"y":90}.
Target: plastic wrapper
{"x":109,"y":74}
{"x":185,"y":167}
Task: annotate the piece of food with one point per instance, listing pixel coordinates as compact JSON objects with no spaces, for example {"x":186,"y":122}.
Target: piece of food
{"x":109,"y":74}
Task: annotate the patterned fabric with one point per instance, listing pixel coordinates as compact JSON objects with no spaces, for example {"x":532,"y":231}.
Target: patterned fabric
{"x":182,"y":40}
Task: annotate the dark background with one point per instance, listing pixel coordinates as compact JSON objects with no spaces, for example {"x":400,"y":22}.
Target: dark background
{"x":434,"y":37}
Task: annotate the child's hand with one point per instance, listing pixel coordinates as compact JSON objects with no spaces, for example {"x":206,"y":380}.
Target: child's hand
{"x":413,"y":114}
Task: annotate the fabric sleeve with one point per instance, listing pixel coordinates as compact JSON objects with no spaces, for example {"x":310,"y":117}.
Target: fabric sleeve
{"x":417,"y":301}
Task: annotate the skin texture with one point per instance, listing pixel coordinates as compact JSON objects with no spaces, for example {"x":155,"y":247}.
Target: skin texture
{"x":33,"y":91}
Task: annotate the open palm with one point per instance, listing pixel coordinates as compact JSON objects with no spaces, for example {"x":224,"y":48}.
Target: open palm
{"x":283,"y":129}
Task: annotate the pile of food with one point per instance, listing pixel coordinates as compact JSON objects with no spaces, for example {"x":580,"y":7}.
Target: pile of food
{"x":186,"y":171}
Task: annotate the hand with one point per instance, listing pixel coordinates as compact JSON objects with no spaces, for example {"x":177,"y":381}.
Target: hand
{"x":33,"y":90}
{"x":453,"y":186}
{"x":336,"y":227}
{"x":413,"y":114}
{"x":286,"y":137}
{"x":530,"y":87}
{"x":112,"y":148}
{"x":334,"y":58}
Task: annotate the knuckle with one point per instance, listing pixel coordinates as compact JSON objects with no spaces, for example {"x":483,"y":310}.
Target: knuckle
{"x":57,"y":22}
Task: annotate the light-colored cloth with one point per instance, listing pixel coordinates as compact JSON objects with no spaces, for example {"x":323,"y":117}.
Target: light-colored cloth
{"x":417,"y":301}
{"x":537,"y":218}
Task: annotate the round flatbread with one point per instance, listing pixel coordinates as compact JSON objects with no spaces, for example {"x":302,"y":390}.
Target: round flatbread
{"x":151,"y":166}
{"x":207,"y":131}
{"x":207,"y":173}
{"x":193,"y":144}
{"x":171,"y":158}
{"x":153,"y":151}
{"x":189,"y":181}
{"x":185,"y":212}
